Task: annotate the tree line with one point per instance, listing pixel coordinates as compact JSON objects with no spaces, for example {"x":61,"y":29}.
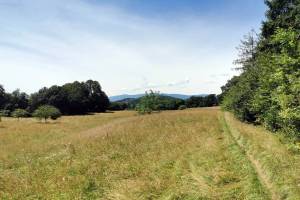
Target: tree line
{"x":70,"y":99}
{"x":268,"y":89}
{"x":153,"y":101}
{"x":87,"y":97}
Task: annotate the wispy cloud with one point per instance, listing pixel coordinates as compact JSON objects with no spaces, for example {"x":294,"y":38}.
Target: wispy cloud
{"x":152,"y":86}
{"x":56,"y":41}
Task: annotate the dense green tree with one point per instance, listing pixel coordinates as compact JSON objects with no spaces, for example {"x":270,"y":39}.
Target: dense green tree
{"x":193,"y":102}
{"x":277,"y":99}
{"x":114,"y":106}
{"x":72,"y":98}
{"x":19,"y":113}
{"x":97,"y":99}
{"x":163,"y":103}
{"x":182,"y":107}
{"x":202,"y":101}
{"x":14,"y":100}
{"x":45,"y":112}
{"x":18,"y":99}
{"x":4,"y":113}
{"x":168,"y":103}
{"x":2,"y":97}
{"x":281,"y":14}
{"x":37,"y":99}
{"x":268,"y":89}
{"x":239,"y":91}
{"x":77,"y":98}
{"x":148,"y":103}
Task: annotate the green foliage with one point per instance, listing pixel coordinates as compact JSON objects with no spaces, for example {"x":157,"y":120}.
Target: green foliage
{"x":268,"y":89}
{"x":14,"y":100}
{"x":45,"y":112}
{"x":4,"y":113}
{"x":182,"y":107}
{"x":19,"y":113}
{"x":205,"y":101}
{"x":277,"y":99}
{"x":114,"y":106}
{"x":162,"y":102}
{"x":72,"y":98}
{"x":148,"y":103}
{"x":2,"y":96}
{"x":169,"y":103}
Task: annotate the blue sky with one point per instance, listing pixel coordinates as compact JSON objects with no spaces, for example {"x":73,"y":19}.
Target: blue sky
{"x":129,"y":46}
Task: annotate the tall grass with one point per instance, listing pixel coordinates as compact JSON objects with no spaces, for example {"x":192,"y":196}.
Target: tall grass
{"x":280,"y":165}
{"x":171,"y":155}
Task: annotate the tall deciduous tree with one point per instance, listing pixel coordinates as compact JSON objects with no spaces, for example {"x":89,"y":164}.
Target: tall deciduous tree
{"x":72,"y":98}
{"x":268,"y":89}
{"x":148,"y":103}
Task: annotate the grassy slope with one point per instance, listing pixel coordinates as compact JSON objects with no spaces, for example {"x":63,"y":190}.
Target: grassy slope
{"x":188,"y":154}
{"x":280,"y":167}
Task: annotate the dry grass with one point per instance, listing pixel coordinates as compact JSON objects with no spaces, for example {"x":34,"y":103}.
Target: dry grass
{"x":279,"y":165}
{"x":171,"y":155}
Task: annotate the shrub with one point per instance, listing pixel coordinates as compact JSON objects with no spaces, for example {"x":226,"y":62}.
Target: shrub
{"x":18,"y":113}
{"x":4,"y":113}
{"x":117,"y":106}
{"x":182,"y":107}
{"x":45,"y":112}
{"x":148,"y":103}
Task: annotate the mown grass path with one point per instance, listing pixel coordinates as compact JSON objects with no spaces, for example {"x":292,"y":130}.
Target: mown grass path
{"x":171,"y":155}
{"x":255,"y":163}
{"x":276,"y":164}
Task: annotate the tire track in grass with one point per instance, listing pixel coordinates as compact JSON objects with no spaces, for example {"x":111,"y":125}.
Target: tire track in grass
{"x":255,"y":163}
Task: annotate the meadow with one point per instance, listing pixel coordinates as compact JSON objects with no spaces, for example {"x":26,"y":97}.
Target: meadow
{"x":189,"y":154}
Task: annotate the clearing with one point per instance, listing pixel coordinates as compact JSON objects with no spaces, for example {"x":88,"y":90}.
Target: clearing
{"x":190,"y":154}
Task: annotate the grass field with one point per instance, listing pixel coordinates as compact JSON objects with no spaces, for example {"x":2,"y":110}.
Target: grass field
{"x":189,"y":154}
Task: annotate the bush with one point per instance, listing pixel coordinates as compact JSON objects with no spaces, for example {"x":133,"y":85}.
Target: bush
{"x":5,"y":113}
{"x":18,"y":113}
{"x":202,"y":101}
{"x":182,"y":107}
{"x":115,"y":106}
{"x":45,"y":112}
{"x":148,"y":103}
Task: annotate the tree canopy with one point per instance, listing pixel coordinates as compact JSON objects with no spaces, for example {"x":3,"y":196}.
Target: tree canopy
{"x":268,"y":88}
{"x":70,"y":98}
{"x":148,"y":103}
{"x":19,"y":113}
{"x":45,"y":112}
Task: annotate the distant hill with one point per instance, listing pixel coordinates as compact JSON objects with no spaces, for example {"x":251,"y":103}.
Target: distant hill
{"x":165,"y":102}
{"x":125,"y":96}
{"x":130,"y":97}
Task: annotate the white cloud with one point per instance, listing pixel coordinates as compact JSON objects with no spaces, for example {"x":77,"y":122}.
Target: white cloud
{"x":53,"y":42}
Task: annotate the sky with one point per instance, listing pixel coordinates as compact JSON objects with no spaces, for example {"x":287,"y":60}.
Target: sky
{"x":129,"y":46}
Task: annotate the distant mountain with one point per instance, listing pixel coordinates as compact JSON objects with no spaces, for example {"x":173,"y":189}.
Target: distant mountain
{"x":127,"y":100}
{"x":180,"y":96}
{"x":125,"y":96}
{"x":165,"y":102}
{"x":136,"y":96}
